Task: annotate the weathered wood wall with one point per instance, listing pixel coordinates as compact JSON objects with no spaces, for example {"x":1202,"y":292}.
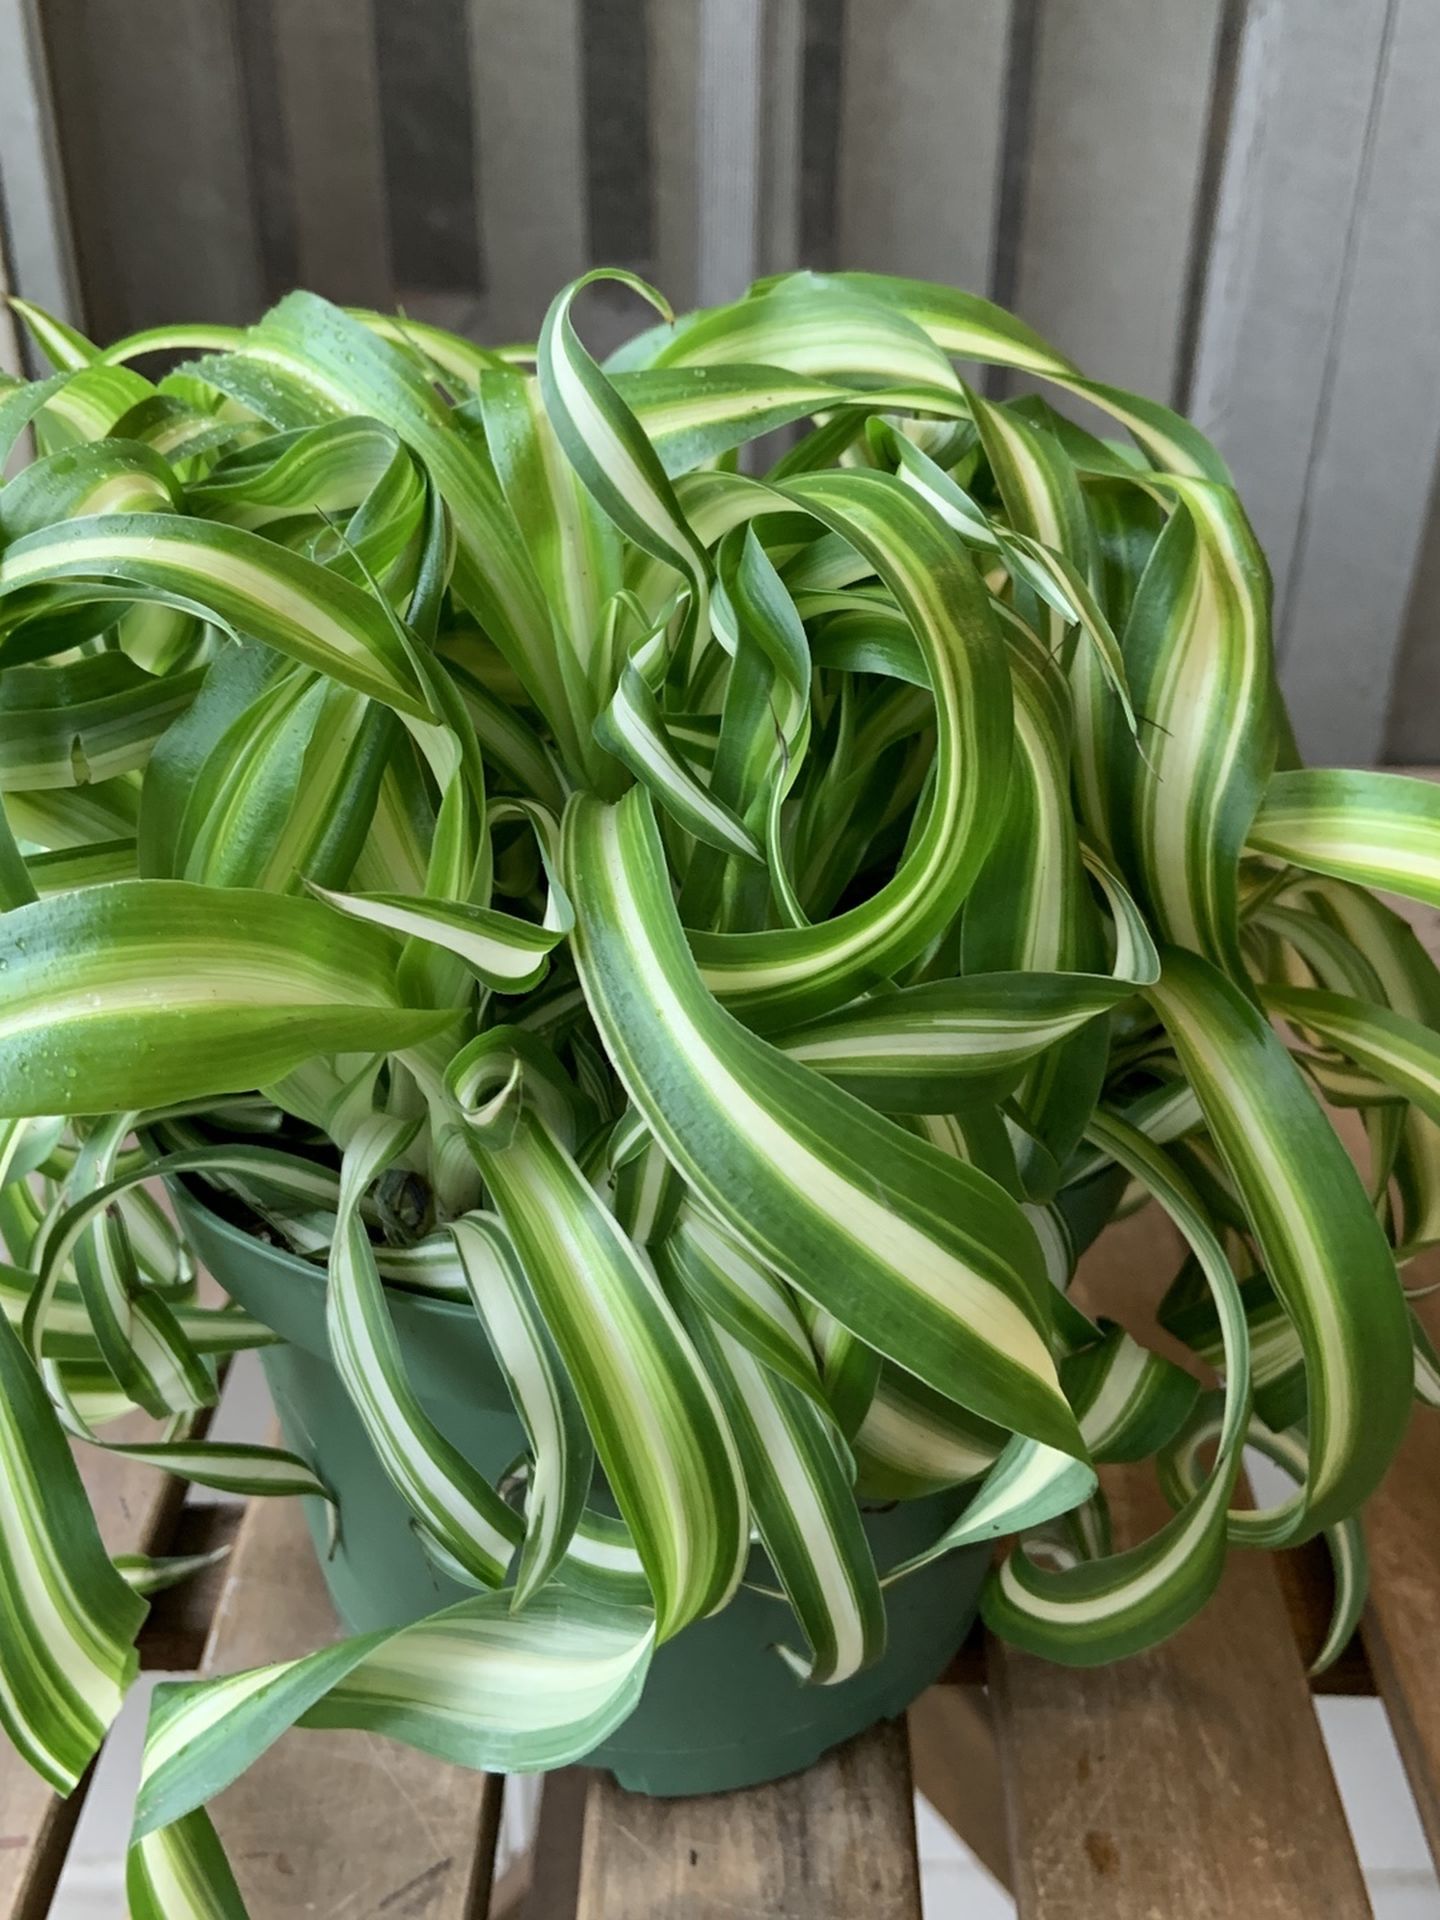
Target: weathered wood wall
{"x":1232,"y":204}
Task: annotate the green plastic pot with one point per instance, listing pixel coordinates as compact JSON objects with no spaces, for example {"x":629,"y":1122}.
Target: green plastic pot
{"x":719,"y":1709}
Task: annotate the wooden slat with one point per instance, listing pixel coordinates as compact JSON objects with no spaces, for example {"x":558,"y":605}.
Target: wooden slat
{"x":325,"y":64}
{"x":1120,"y":102}
{"x":956,"y":1764}
{"x":35,"y":1830}
{"x":152,"y":125}
{"x":729,"y":140}
{"x":1367,"y":501}
{"x":1299,"y":123}
{"x":673,"y":47}
{"x":336,"y":1823}
{"x":32,"y":186}
{"x":782,"y":101}
{"x":923,"y":92}
{"x":1189,"y":1781}
{"x":137,"y":1509}
{"x":529,"y":122}
{"x":1401,"y":1628}
{"x":725,"y":89}
{"x":834,"y":1843}
{"x":1402,"y":1623}
{"x":1315,"y":365}
{"x":177,"y":1627}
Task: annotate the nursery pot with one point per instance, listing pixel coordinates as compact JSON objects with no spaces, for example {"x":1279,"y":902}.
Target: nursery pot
{"x":719,"y":1709}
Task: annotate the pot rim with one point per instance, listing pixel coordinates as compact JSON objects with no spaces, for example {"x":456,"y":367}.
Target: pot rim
{"x":187,"y":1198}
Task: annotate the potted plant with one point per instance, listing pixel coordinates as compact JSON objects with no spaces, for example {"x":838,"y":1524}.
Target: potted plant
{"x":642,"y":954}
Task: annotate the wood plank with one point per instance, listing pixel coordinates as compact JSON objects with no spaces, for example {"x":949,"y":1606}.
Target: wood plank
{"x":956,"y":1764}
{"x":729,"y":142}
{"x":1401,"y":1628}
{"x":35,"y":1830}
{"x":834,"y":1843}
{"x":1367,"y":501}
{"x":1188,"y":1781}
{"x":177,"y":1627}
{"x":1411,"y":732}
{"x":153,"y":129}
{"x":726,"y":81}
{"x":923,"y":89}
{"x":137,"y":1509}
{"x":1299,"y":126}
{"x":1314,"y":369}
{"x":33,"y":200}
{"x":11,"y":361}
{"x":673,"y":62}
{"x":1120,"y":94}
{"x":1402,"y":1622}
{"x":783,"y":105}
{"x":427,"y":136}
{"x":331,"y":1823}
{"x":325,"y":63}
{"x":530,"y":126}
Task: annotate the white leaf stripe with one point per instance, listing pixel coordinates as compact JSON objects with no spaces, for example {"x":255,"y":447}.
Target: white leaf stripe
{"x":1403,"y":1053}
{"x":507,"y":953}
{"x":1130,"y":1402}
{"x":96,"y":981}
{"x":1028,"y":1485}
{"x":605,"y":444}
{"x":228,"y":1466}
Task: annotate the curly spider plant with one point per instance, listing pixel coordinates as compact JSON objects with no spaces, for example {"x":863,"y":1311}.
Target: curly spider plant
{"x":733,"y":923}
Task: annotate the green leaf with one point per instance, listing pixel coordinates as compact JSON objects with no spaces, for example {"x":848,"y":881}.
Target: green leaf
{"x":800,"y":1478}
{"x":151,"y":991}
{"x":241,"y":582}
{"x":1105,"y":1607}
{"x":781,"y":977}
{"x":921,"y":1257}
{"x":71,"y":1619}
{"x":1382,"y":829}
{"x":452,"y":1506}
{"x":561,"y":1450}
{"x":475,"y":1685}
{"x":1317,"y":1235}
{"x":656,"y":1422}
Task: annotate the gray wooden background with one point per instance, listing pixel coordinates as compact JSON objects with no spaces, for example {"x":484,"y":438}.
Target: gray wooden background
{"x":1231,"y":204}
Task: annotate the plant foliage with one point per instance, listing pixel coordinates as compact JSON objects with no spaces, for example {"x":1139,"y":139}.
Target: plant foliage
{"x":764,"y":903}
